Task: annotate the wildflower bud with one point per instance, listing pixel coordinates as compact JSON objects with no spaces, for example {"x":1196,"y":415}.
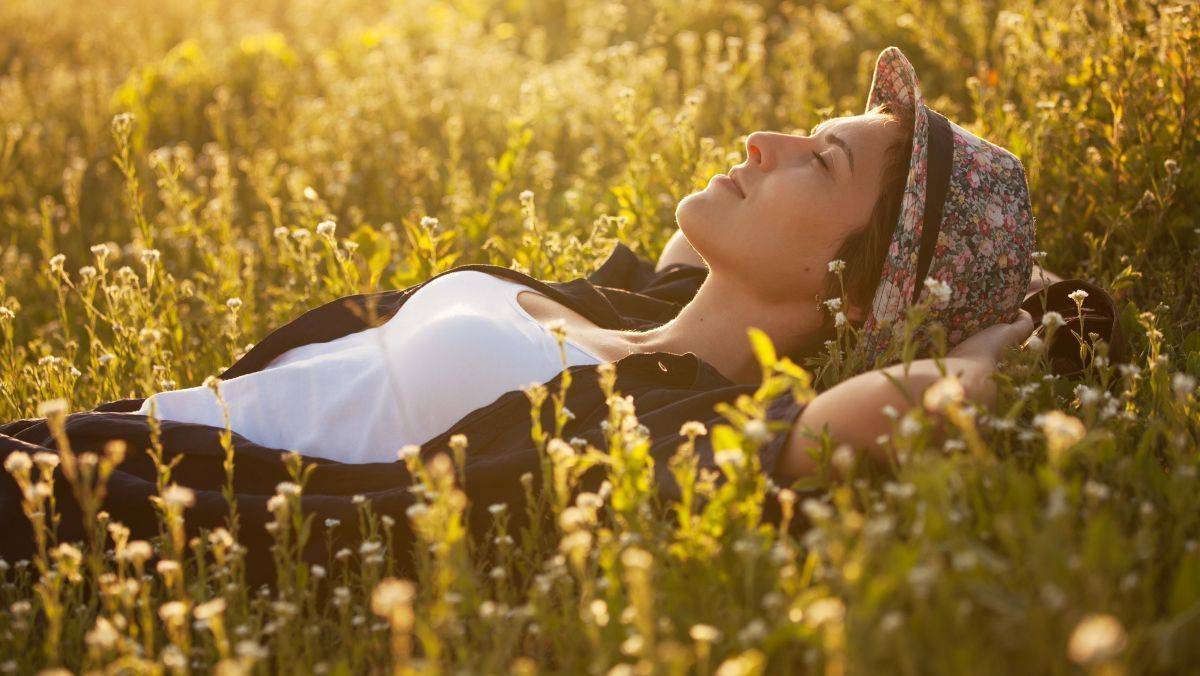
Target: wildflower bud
{"x":52,"y":408}
{"x":1171,"y":166}
{"x":526,"y":196}
{"x":277,"y":504}
{"x":844,"y":458}
{"x":430,"y":223}
{"x":150,"y":257}
{"x":18,"y":463}
{"x":1062,"y":431}
{"x":693,"y":428}
{"x":1038,"y":257}
{"x":6,"y":313}
{"x":757,"y":431}
{"x":1097,"y":638}
{"x":87,"y":273}
{"x":787,"y":496}
{"x":1052,"y":319}
{"x":839,"y":320}
{"x":209,"y":609}
{"x":943,"y":393}
{"x":731,"y":457}
{"x":178,"y":496}
{"x":56,"y":263}
{"x":391,"y":595}
{"x":1183,"y":384}
{"x":1035,"y":344}
{"x":287,"y":488}
{"x":326,"y":228}
{"x":636,"y":558}
{"x":138,"y":551}
{"x":234,"y":304}
{"x":1077,"y":296}
{"x":837,"y":265}
{"x":281,"y":232}
{"x":121,"y":124}
{"x":704,"y":633}
{"x":938,"y":290}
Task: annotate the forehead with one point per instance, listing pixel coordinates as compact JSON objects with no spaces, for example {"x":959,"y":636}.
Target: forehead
{"x":872,"y":123}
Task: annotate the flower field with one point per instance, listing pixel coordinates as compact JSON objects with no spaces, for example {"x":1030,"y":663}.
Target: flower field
{"x":179,"y":178}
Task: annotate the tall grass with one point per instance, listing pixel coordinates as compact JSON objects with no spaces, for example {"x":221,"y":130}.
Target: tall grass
{"x":177,"y":178}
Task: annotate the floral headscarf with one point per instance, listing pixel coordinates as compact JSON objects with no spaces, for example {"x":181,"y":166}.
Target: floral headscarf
{"x":965,"y":221}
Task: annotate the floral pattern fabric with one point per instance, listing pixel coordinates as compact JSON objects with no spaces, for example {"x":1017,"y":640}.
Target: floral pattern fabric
{"x":987,"y":229}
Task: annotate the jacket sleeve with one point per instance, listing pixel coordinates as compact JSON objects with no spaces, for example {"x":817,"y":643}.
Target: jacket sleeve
{"x":628,"y":271}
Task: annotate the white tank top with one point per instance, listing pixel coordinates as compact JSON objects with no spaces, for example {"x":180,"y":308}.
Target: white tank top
{"x":458,"y":343}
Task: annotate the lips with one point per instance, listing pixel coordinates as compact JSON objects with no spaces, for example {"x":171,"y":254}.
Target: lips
{"x":733,"y":184}
{"x":737,"y":183}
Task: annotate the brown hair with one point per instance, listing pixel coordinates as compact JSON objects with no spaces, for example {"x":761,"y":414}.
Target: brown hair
{"x":865,"y":249}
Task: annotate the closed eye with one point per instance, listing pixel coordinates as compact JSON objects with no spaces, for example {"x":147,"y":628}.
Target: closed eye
{"x":822,"y":160}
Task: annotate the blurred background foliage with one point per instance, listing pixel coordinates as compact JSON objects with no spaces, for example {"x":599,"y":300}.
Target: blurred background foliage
{"x":164,"y":166}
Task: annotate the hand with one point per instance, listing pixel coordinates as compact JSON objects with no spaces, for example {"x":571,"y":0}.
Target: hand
{"x":990,"y":343}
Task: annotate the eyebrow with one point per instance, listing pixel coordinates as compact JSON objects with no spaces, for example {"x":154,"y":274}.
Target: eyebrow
{"x":839,"y":142}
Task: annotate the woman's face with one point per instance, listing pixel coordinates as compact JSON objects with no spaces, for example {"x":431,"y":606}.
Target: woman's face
{"x":799,"y":198}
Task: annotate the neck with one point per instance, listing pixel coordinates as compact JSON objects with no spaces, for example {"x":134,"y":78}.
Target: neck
{"x":714,"y":327}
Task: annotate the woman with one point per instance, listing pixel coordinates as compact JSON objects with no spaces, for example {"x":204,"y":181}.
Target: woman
{"x":898,"y":193}
{"x":766,"y":232}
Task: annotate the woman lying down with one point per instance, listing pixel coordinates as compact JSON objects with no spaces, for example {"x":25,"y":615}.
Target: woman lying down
{"x":898,"y":194}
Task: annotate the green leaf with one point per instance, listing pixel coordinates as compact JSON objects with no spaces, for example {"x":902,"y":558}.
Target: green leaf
{"x":763,"y":349}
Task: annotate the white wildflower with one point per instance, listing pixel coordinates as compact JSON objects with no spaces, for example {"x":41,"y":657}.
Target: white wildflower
{"x":1097,"y":638}
{"x":1052,"y":319}
{"x":938,"y":290}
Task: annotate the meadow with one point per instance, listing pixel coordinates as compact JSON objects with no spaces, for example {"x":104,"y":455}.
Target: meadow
{"x":165,"y":168}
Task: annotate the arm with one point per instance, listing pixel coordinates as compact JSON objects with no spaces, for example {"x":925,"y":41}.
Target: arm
{"x":678,"y":250}
{"x":853,"y":408}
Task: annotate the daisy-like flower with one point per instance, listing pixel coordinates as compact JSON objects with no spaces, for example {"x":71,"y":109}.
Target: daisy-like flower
{"x":390,"y":595}
{"x":1077,"y":296}
{"x":940,"y":395}
{"x":18,"y":462}
{"x":938,"y":290}
{"x":179,"y":496}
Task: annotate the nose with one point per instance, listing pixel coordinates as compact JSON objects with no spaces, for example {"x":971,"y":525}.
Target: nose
{"x":764,"y":147}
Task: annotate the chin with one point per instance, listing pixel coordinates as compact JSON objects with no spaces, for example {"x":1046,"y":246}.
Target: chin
{"x":697,"y":217}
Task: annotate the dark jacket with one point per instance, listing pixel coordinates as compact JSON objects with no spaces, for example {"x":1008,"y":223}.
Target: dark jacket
{"x":625,"y":292}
